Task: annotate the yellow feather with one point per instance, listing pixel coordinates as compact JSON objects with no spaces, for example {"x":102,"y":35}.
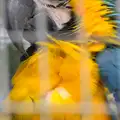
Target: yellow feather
{"x":64,"y":72}
{"x":93,"y":22}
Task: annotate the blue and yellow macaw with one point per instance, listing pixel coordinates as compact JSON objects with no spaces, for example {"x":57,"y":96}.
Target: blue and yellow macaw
{"x":60,"y":69}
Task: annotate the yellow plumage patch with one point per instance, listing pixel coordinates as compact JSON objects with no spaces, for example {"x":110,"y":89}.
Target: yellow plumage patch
{"x":54,"y":67}
{"x":93,"y":17}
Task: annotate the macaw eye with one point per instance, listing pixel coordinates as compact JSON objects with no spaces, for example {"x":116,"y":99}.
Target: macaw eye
{"x":68,"y":7}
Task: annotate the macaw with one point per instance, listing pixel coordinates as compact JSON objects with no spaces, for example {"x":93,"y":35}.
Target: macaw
{"x":48,"y":72}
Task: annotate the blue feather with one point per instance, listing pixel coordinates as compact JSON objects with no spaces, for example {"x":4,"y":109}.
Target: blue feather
{"x":113,"y":14}
{"x":109,"y":65}
{"x":109,"y":3}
